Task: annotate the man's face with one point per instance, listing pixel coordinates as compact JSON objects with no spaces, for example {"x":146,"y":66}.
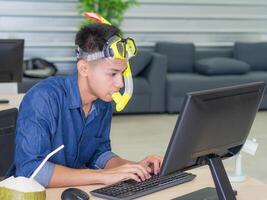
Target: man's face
{"x":105,"y":77}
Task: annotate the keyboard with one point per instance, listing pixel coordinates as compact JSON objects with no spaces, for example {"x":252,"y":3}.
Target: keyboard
{"x":131,"y":189}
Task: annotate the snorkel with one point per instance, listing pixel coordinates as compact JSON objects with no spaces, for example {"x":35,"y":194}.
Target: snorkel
{"x":129,"y":47}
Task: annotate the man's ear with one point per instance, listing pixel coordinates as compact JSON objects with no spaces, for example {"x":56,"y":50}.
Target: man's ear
{"x":82,"y":67}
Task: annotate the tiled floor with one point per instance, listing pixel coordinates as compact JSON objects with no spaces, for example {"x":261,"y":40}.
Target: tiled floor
{"x":135,"y":136}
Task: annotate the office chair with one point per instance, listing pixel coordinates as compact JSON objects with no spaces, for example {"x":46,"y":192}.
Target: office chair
{"x":7,"y":139}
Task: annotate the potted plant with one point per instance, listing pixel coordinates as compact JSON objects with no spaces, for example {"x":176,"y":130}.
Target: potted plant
{"x":112,"y":10}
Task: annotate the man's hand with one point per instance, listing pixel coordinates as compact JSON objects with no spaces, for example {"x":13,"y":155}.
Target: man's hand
{"x":118,"y":169}
{"x":127,"y":171}
{"x":152,"y":164}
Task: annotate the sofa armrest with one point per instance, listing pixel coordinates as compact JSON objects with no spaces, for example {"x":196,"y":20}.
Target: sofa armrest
{"x":155,"y":73}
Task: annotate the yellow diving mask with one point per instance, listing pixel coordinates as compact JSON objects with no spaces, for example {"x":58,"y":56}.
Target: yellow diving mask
{"x":116,"y":48}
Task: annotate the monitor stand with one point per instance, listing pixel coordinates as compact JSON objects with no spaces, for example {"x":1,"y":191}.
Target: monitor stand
{"x":221,"y":181}
{"x":220,"y":178}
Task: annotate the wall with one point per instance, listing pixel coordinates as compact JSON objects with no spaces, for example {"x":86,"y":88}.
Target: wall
{"x":49,"y":27}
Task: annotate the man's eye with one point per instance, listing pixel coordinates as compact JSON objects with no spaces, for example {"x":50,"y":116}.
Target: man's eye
{"x":113,"y":74}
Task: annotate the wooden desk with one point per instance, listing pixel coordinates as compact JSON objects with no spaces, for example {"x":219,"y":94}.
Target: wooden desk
{"x":14,"y":101}
{"x":250,"y":189}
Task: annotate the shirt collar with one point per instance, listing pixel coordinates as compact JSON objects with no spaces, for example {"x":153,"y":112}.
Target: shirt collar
{"x":73,"y":93}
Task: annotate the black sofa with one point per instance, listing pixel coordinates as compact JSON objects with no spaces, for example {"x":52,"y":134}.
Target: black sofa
{"x":149,"y":72}
{"x":190,"y":70}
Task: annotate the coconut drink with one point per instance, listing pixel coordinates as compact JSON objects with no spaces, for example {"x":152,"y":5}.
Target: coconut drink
{"x":21,"y":188}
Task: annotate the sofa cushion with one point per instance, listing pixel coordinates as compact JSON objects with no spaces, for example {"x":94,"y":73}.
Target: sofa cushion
{"x":141,"y":86}
{"x":139,"y":62}
{"x":180,"y":56}
{"x":178,"y":84}
{"x":213,"y":52}
{"x":252,"y":53}
{"x":220,"y":66}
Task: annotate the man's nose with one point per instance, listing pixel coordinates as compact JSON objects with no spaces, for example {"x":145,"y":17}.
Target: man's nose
{"x":119,"y":82}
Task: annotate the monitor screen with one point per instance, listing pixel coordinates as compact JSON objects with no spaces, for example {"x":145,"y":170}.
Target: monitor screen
{"x":212,"y":123}
{"x":11,"y":60}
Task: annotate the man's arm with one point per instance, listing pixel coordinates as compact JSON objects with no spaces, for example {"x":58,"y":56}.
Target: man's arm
{"x":117,"y":161}
{"x":64,"y":176}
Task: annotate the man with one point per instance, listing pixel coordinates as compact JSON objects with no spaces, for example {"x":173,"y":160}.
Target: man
{"x":76,"y":111}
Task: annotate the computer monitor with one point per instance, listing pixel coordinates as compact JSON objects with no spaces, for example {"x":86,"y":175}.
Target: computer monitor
{"x":213,"y":125}
{"x":11,"y":60}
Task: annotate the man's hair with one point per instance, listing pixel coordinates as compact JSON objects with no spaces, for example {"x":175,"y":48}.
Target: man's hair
{"x":92,"y":38}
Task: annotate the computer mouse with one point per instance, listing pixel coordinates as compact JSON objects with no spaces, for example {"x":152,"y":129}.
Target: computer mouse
{"x":74,"y":194}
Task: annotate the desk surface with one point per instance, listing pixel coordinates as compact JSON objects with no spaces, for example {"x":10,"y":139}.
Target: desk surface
{"x":14,"y":101}
{"x":250,"y":189}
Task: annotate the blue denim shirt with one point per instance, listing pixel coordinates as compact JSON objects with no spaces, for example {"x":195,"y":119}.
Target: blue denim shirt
{"x":51,"y":115}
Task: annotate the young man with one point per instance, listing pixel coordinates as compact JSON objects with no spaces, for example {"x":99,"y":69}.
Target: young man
{"x":76,"y":111}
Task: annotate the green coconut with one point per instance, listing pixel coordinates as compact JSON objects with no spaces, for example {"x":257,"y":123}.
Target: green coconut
{"x":21,"y":188}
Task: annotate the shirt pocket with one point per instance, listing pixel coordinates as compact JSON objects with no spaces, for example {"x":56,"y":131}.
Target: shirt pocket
{"x":88,"y":147}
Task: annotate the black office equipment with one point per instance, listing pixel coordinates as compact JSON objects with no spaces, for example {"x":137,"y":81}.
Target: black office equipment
{"x":131,"y":189}
{"x":200,"y":195}
{"x":208,"y":193}
{"x":7,"y":139}
{"x":4,"y":101}
{"x":213,"y":125}
{"x":74,"y":194}
{"x":11,"y":60}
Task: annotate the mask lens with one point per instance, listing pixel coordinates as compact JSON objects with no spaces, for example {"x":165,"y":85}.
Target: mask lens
{"x":121,"y":49}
